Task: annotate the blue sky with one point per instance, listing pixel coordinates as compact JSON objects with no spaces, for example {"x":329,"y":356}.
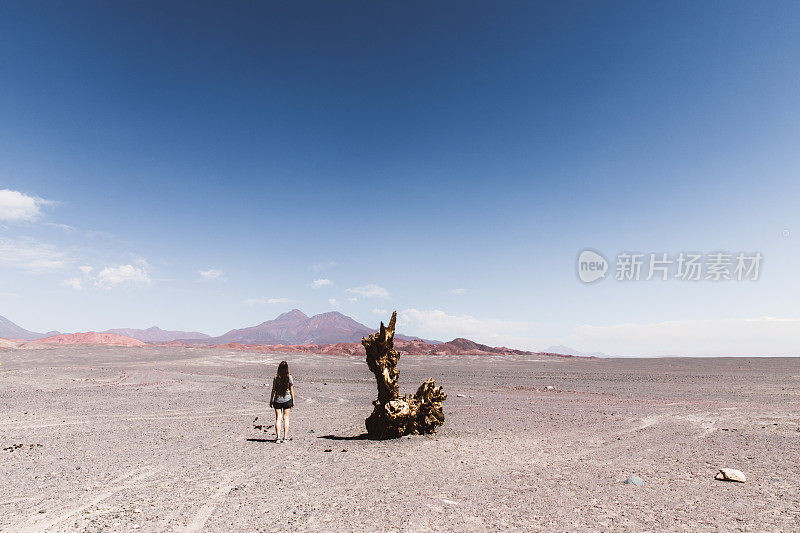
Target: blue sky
{"x":455,"y":156}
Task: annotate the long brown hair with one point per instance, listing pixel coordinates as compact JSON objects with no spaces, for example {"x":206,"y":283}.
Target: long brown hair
{"x":282,"y":379}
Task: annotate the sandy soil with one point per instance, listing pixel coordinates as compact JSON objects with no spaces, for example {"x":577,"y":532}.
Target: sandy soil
{"x":162,"y":439}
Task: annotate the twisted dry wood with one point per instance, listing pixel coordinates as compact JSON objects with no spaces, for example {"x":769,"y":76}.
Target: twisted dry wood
{"x":394,"y":416}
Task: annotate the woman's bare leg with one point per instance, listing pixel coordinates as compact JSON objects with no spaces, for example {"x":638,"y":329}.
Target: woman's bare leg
{"x":278,"y":424}
{"x":286,"y":423}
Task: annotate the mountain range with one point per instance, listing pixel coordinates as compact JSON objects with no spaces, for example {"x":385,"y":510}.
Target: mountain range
{"x":293,"y":327}
{"x":294,"y":331}
{"x":156,"y":334}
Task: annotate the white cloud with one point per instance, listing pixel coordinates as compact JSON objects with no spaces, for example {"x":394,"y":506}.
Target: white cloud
{"x":458,"y":292}
{"x":381,"y":312}
{"x":370,"y":291}
{"x":257,"y":301}
{"x":19,"y":207}
{"x":731,"y":337}
{"x":210,"y":274}
{"x":352,"y":299}
{"x":319,"y":283}
{"x":323,"y":266}
{"x":30,"y":255}
{"x":334,"y":302}
{"x":123,"y":274}
{"x":75,"y":283}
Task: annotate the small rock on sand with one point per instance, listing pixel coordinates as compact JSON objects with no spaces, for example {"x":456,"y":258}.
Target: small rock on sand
{"x":730,"y":474}
{"x":459,"y":396}
{"x":635,"y":480}
{"x":549,"y":387}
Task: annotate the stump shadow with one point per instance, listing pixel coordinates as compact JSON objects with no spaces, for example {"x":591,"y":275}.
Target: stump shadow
{"x":362,"y":436}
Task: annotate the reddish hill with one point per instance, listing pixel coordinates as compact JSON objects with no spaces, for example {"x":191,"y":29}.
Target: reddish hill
{"x":92,"y":337}
{"x":458,"y":346}
{"x":178,"y":344}
{"x":9,"y":343}
{"x":417,"y":347}
{"x":341,"y":348}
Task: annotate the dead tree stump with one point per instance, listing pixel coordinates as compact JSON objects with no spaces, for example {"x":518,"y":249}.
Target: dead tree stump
{"x":394,"y":416}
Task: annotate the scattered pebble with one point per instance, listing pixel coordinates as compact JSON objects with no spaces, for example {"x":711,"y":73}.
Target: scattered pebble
{"x":549,"y":387}
{"x":460,"y":396}
{"x":635,"y":480}
{"x":20,"y":445}
{"x":730,"y":474}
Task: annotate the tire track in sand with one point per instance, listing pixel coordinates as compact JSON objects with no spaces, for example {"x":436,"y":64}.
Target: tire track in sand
{"x":207,"y":510}
{"x":32,"y":526}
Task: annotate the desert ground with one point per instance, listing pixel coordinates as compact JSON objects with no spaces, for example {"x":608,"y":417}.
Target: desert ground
{"x":163,"y":439}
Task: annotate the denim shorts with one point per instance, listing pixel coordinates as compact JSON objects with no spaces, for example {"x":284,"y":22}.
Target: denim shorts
{"x":283,"y":405}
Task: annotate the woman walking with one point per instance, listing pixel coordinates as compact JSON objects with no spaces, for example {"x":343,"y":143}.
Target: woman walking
{"x":282,"y":400}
